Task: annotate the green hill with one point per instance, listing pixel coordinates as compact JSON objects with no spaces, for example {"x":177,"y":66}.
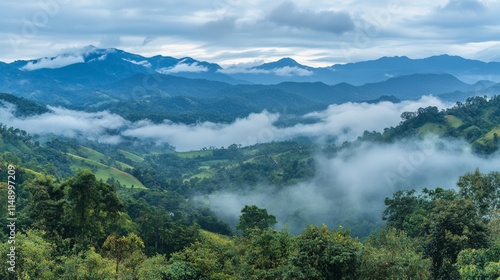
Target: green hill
{"x":477,"y":121}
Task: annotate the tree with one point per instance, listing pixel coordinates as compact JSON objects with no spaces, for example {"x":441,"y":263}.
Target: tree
{"x":405,"y":211}
{"x":124,"y":248}
{"x":33,"y":256}
{"x":153,"y":268}
{"x":479,"y":263}
{"x":93,"y":208}
{"x":46,"y":206}
{"x":393,"y":255}
{"x":451,"y":227}
{"x":482,"y":189}
{"x":324,"y":254}
{"x":255,"y":217}
{"x":86,"y":265}
{"x":267,"y":254}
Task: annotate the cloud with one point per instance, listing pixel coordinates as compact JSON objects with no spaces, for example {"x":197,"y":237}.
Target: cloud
{"x":183,"y":67}
{"x":344,"y":122}
{"x":464,"y":6}
{"x":52,"y":63}
{"x":348,"y":121}
{"x":219,"y":28}
{"x":143,"y":63}
{"x":67,"y":123}
{"x":288,"y":14}
{"x":288,"y":71}
{"x":253,"y":129}
{"x":349,"y":188}
{"x":240,"y":70}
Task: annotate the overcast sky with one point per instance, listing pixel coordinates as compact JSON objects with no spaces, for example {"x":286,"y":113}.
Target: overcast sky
{"x":316,"y":33}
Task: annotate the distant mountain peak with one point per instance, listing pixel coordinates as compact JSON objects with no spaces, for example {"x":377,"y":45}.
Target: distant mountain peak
{"x":284,"y":62}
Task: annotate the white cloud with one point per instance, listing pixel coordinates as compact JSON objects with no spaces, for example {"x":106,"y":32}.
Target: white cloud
{"x":143,"y":63}
{"x":413,"y":28}
{"x":350,"y":187}
{"x":183,"y":67}
{"x":349,"y":120}
{"x":52,"y":63}
{"x":255,"y":128}
{"x":68,"y":123}
{"x":288,"y":71}
{"x":240,"y":70}
{"x":344,"y":122}
{"x":289,"y":14}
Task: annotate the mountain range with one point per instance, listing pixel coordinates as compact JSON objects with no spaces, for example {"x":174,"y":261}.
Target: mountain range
{"x":110,"y":79}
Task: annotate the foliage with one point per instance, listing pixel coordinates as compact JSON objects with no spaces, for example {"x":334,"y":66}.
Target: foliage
{"x":391,"y":254}
{"x":255,"y":217}
{"x":324,"y":254}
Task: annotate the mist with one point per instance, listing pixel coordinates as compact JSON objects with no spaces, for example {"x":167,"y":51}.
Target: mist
{"x":349,"y":189}
{"x":345,"y":122}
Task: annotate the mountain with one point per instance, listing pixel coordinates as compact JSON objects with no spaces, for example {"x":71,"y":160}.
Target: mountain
{"x":380,"y":69}
{"x":99,"y":79}
{"x":359,"y":73}
{"x":416,"y":85}
{"x":96,"y":66}
{"x":475,"y":121}
{"x":284,"y":62}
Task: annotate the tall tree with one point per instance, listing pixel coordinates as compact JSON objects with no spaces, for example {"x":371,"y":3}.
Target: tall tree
{"x":255,"y":217}
{"x":93,"y":208}
{"x":482,"y":189}
{"x":451,"y":227}
{"x":124,"y":248}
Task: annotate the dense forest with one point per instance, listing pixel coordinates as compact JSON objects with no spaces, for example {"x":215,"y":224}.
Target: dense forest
{"x":87,"y":210}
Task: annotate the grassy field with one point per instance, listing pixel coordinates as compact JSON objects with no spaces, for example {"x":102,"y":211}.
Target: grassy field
{"x":192,"y":154}
{"x":99,"y":157}
{"x":131,"y":156}
{"x":215,"y":238}
{"x":104,"y":172}
{"x":491,"y":134}
{"x":431,"y":128}
{"x":453,"y":121}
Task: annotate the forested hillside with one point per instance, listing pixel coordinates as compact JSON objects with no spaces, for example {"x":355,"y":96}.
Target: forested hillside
{"x":89,"y":210}
{"x":476,"y":121}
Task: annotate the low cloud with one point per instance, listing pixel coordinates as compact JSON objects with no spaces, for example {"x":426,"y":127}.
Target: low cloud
{"x":52,"y":63}
{"x":242,"y":70}
{"x":349,"y":189}
{"x":344,"y":122}
{"x":288,"y":71}
{"x":250,"y":130}
{"x":143,"y":63}
{"x":67,"y":123}
{"x":183,"y":67}
{"x":288,"y":14}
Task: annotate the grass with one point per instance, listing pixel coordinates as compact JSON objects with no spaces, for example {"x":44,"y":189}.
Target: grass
{"x":215,"y":238}
{"x":491,"y":134}
{"x":104,"y":172}
{"x":98,"y":157}
{"x":454,"y":121}
{"x":431,"y":128}
{"x":192,"y":154}
{"x":91,"y":154}
{"x":131,"y":156}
